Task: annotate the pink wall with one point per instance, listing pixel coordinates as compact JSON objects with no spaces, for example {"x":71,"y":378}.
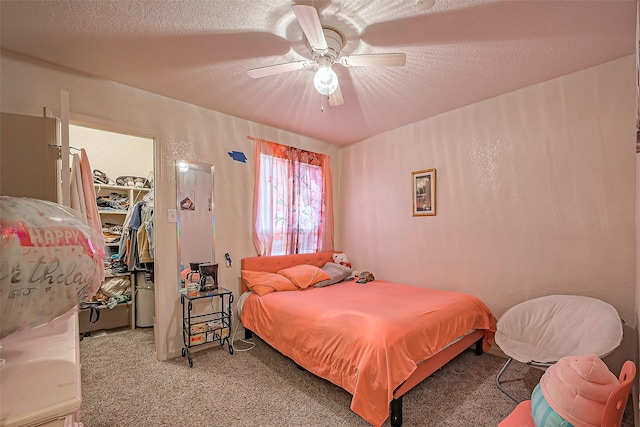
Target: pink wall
{"x":181,"y":131}
{"x":535,"y":195}
{"x":535,"y":188}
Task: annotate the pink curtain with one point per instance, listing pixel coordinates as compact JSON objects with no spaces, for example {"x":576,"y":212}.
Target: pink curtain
{"x":292,"y":200}
{"x":327,"y":236}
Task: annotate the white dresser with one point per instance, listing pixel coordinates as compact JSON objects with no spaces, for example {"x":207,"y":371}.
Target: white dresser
{"x":40,"y":380}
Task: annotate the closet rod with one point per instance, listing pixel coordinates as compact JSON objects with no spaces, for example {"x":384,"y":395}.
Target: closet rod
{"x":70,"y":147}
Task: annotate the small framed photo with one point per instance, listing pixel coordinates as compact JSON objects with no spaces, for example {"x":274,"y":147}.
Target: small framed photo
{"x":424,"y":192}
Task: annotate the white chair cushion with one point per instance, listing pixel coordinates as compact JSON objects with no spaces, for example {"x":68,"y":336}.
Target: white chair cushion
{"x":549,"y":328}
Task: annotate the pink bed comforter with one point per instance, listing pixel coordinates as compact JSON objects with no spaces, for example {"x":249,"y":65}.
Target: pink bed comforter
{"x":367,"y":339}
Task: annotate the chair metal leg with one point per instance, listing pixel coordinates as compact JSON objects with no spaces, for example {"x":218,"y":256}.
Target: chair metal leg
{"x":504,"y":368}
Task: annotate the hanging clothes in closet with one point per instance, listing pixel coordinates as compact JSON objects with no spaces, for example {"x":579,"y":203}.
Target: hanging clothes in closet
{"x":145,"y":237}
{"x":136,"y":249}
{"x":83,"y":198}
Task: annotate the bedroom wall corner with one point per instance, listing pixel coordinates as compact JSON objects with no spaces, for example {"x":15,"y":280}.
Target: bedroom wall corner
{"x":181,"y":131}
{"x":636,"y":387}
{"x":535,"y":195}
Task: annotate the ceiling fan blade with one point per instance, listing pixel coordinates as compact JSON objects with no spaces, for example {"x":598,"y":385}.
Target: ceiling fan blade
{"x":335,"y":98}
{"x":311,"y":27}
{"x":374,"y":60}
{"x":270,"y":70}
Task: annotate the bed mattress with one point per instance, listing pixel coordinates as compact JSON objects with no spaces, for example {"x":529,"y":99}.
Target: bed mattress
{"x":366,"y":338}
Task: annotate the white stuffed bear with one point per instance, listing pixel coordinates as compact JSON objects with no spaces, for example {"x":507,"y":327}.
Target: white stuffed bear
{"x":342,"y":259}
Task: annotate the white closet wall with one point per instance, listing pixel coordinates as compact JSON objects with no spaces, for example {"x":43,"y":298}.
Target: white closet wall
{"x":113,"y":153}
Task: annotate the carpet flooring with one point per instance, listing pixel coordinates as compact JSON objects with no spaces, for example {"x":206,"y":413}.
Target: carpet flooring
{"x":123,"y":384}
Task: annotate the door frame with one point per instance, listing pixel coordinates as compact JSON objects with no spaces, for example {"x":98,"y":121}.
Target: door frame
{"x":106,"y":125}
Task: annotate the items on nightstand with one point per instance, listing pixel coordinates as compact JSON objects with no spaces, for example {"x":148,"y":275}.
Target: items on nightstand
{"x":204,"y":325}
{"x":192,"y":288}
{"x":208,"y":276}
{"x":193,"y":275}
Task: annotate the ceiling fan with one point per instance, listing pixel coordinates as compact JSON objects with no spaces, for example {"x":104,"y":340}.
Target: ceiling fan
{"x":325,"y":45}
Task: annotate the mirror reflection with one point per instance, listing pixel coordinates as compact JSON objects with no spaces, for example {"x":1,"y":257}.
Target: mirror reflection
{"x":195,"y":222}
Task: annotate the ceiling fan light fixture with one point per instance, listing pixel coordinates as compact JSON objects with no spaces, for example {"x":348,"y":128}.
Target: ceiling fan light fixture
{"x":325,"y":80}
{"x":325,"y":46}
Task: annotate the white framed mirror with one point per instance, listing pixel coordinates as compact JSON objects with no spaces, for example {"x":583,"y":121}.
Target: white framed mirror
{"x":195,"y":220}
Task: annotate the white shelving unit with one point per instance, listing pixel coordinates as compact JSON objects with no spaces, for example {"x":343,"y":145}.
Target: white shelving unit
{"x":123,"y":314}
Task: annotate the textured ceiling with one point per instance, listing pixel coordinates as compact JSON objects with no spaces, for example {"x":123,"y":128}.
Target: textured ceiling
{"x":458,"y":52}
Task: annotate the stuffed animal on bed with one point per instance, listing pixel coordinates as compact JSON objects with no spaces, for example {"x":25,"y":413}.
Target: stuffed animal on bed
{"x":342,"y":259}
{"x":365,"y":277}
{"x":573,"y":391}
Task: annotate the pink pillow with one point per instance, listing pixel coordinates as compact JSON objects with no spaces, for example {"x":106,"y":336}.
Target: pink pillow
{"x":304,"y":275}
{"x":261,"y":282}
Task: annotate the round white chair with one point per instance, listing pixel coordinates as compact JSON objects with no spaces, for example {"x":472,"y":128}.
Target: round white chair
{"x":543,"y":330}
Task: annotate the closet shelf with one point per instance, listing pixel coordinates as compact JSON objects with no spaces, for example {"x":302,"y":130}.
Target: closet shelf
{"x":104,"y":306}
{"x":108,"y":276}
{"x":106,"y":212}
{"x":119,"y":187}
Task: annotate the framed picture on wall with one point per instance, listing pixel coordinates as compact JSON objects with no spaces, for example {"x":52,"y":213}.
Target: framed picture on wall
{"x":424,"y":192}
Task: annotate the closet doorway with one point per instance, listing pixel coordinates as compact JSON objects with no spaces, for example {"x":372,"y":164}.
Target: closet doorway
{"x":123,"y":177}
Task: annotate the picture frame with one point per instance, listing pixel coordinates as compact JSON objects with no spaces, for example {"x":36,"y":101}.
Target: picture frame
{"x":423,"y":184}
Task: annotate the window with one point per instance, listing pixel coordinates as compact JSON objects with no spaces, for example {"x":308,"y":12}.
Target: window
{"x":293,"y":207}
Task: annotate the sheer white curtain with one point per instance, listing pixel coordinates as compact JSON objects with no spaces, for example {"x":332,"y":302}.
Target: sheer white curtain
{"x":293,"y":200}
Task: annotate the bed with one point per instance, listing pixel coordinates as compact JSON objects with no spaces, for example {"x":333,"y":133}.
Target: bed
{"x":376,"y":340}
